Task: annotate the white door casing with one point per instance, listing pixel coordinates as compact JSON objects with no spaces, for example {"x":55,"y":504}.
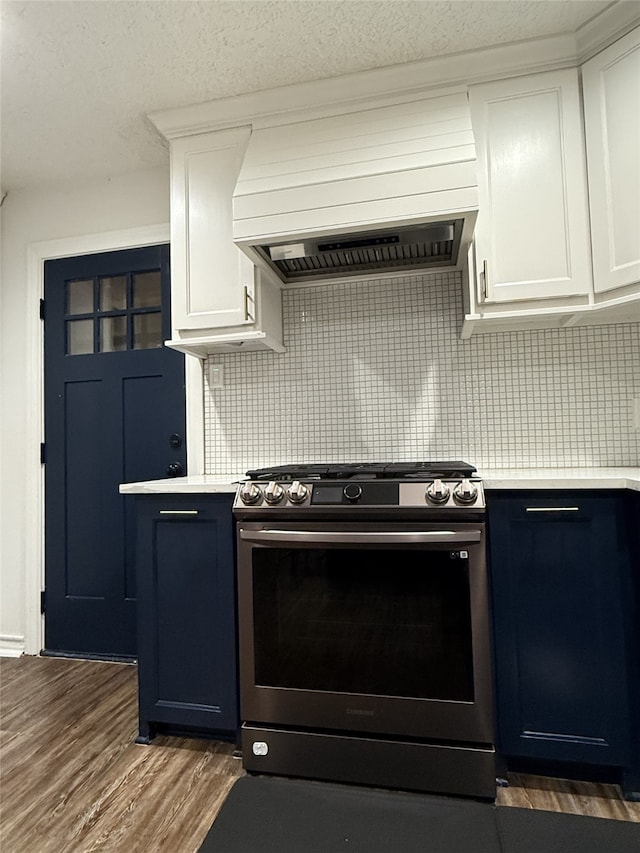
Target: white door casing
{"x":37,"y":254}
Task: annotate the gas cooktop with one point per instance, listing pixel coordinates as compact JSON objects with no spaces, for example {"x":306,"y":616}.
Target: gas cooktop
{"x":417,"y":487}
{"x":365,"y":471}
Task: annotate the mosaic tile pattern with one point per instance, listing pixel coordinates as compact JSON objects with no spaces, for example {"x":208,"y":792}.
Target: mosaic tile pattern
{"x":377,"y":371}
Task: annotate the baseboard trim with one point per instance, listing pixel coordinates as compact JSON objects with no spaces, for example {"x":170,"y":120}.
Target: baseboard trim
{"x":11,"y":646}
{"x":46,"y":653}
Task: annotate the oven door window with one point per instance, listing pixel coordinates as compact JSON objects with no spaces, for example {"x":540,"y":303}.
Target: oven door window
{"x":370,"y":621}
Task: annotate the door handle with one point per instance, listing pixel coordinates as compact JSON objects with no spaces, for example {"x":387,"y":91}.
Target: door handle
{"x":175,"y":469}
{"x":319,"y":537}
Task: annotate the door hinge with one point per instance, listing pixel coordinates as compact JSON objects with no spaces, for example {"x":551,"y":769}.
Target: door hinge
{"x":42,"y":309}
{"x":43,"y":453}
{"x":43,"y":601}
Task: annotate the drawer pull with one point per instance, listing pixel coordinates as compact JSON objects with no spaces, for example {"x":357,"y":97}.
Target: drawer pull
{"x":178,"y":512}
{"x":553,"y":509}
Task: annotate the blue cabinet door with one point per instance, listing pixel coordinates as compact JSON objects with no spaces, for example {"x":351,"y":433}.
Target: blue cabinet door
{"x":558,"y":565}
{"x":186,"y":615}
{"x":632,"y":592}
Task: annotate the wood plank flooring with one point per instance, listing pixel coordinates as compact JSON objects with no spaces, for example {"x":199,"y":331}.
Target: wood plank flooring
{"x":566,"y":795}
{"x":72,"y":780}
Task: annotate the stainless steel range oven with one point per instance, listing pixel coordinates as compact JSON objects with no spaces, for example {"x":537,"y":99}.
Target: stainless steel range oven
{"x":364,"y":626}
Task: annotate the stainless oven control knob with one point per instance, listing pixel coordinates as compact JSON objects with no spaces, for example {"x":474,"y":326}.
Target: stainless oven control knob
{"x":438,"y":492}
{"x":250,"y":493}
{"x":352,"y":492}
{"x":297,"y":492}
{"x":465,"y":492}
{"x":274,"y":493}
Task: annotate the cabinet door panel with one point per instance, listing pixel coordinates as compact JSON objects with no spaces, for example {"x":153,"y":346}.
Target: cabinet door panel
{"x":532,"y":232}
{"x":611,"y":84}
{"x":515,"y":164}
{"x":190,"y":613}
{"x":186,"y":616}
{"x":209,"y":278}
{"x":559,"y":657}
{"x":561,"y":660}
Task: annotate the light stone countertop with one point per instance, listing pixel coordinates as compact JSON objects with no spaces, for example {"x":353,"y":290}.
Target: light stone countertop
{"x":561,"y":478}
{"x":201,"y":484}
{"x":493,"y":478}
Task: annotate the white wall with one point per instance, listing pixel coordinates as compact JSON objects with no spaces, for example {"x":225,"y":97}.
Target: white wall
{"x":31,"y":216}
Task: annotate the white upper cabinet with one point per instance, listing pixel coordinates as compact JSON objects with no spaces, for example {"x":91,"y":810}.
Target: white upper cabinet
{"x":219,"y":300}
{"x":205,"y":262}
{"x":611,"y":86}
{"x":532,"y":232}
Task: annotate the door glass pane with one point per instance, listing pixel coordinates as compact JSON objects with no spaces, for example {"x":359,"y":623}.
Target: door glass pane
{"x":113,"y":334}
{"x":79,"y":337}
{"x":146,"y":289}
{"x":80,"y":296}
{"x":113,"y":293}
{"x":147,"y":330}
{"x":369,"y":622}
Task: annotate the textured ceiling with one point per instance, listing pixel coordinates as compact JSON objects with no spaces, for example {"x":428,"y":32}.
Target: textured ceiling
{"x":79,"y":76}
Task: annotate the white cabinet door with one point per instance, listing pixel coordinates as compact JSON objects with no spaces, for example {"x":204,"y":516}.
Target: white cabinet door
{"x":532,"y":233}
{"x":212,"y":285}
{"x":611,"y":86}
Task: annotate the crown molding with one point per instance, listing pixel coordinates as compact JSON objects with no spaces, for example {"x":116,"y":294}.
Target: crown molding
{"x":610,"y":25}
{"x":302,"y":101}
{"x":336,"y":95}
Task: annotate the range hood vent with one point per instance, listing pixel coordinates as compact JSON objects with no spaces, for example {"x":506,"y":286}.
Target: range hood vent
{"x":384,"y":189}
{"x":401,"y":250}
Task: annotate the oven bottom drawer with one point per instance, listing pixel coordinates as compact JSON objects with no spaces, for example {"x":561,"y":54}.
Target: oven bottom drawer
{"x":433,"y":768}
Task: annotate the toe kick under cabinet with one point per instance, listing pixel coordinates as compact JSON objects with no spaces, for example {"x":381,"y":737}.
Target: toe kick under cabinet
{"x":187,"y":667}
{"x":565,"y":607}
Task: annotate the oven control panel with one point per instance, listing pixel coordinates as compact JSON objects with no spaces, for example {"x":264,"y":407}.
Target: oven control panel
{"x":465,"y":493}
{"x":458,"y":493}
{"x":274,"y":494}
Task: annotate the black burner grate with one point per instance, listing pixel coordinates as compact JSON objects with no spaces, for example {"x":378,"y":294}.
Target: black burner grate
{"x":364,"y":470}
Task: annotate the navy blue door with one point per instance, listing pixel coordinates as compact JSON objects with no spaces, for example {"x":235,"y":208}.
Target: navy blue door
{"x":114,"y":413}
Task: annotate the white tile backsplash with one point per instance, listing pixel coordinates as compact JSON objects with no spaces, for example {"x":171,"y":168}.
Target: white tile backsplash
{"x":376,"y":371}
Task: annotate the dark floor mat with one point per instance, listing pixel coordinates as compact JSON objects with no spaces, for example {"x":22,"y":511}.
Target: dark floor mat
{"x":530,"y":831}
{"x":272,"y":815}
{"x":277,"y":815}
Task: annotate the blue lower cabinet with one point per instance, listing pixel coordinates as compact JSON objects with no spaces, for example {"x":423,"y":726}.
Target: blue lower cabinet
{"x":633,"y":525}
{"x":187,"y":661}
{"x":564,"y":621}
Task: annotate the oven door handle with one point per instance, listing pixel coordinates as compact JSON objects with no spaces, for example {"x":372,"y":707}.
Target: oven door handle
{"x":320,"y":537}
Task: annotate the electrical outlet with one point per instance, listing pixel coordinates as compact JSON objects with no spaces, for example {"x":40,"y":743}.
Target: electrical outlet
{"x":216,"y":376}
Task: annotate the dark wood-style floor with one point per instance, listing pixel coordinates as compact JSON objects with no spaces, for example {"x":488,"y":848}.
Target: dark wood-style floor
{"x":74,"y":781}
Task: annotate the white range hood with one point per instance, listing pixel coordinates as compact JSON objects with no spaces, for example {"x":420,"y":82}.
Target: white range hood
{"x":391,"y":188}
